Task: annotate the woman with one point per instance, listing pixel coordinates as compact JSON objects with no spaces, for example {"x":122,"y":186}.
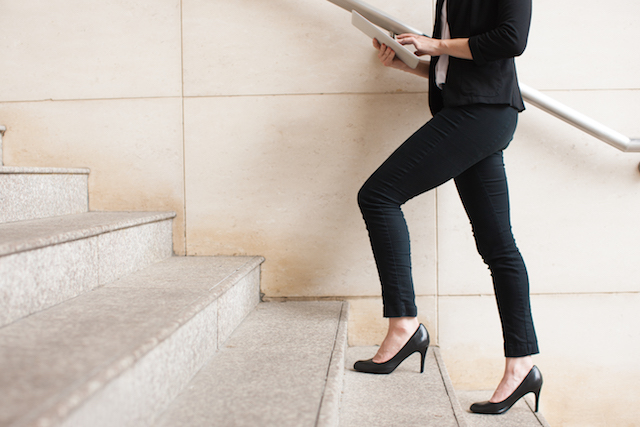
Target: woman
{"x":475,"y":100}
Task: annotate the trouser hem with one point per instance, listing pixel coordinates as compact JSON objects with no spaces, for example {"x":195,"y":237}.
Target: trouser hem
{"x":407,"y":312}
{"x":521,"y":350}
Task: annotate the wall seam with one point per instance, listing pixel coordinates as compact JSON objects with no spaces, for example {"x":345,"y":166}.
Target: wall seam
{"x":121,"y":98}
{"x":283,"y":94}
{"x":436,"y":232}
{"x":184,"y":143}
{"x":546,"y":294}
{"x":182,"y":95}
{"x":437,"y":262}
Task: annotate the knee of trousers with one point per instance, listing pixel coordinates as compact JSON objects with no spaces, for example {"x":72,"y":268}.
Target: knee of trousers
{"x":505,"y":264}
{"x":496,"y":253}
{"x":371,"y":199}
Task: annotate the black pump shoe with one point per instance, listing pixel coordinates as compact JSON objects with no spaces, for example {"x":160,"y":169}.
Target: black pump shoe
{"x":419,"y":342}
{"x":532,"y":383}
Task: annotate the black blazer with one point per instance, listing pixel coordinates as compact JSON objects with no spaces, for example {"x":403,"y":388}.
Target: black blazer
{"x":497,"y":31}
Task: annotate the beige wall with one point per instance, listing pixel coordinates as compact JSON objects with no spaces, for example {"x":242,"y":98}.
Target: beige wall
{"x":257,"y":122}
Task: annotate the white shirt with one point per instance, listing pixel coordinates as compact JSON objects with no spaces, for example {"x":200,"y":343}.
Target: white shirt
{"x":443,"y":63}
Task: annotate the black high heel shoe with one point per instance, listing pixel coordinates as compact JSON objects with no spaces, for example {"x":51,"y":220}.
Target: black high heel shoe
{"x":419,"y":342}
{"x":532,"y":383}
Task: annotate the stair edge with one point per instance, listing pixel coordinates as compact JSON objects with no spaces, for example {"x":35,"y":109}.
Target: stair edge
{"x":11,"y":248}
{"x":458,"y":412}
{"x":541,"y":419}
{"x":329,"y":411}
{"x":43,"y":170}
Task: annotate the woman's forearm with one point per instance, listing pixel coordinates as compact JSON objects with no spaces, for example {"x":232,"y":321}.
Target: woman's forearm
{"x":421,"y":70}
{"x":457,"y":48}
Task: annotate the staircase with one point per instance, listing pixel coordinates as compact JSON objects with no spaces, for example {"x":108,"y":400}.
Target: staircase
{"x":101,"y":326}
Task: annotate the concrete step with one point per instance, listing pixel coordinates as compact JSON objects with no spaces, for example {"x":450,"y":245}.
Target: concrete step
{"x":46,"y":261}
{"x":281,"y":367}
{"x":404,"y":398}
{"x":31,"y":193}
{"x":407,"y":398}
{"x":118,"y":355}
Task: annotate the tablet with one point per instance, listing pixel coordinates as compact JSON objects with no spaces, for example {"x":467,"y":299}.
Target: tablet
{"x":374,"y":32}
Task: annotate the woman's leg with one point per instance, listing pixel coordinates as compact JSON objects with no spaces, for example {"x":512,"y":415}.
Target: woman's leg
{"x":484,"y":194}
{"x":454,"y":140}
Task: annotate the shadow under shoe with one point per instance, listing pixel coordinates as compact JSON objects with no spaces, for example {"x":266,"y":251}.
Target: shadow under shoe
{"x":419,"y":342}
{"x":532,"y":383}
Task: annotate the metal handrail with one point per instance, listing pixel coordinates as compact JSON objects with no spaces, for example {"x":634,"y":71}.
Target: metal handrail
{"x":579,"y":120}
{"x":533,"y":96}
{"x":376,"y":16}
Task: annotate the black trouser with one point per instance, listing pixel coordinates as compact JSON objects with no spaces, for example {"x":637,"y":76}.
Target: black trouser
{"x":464,"y":143}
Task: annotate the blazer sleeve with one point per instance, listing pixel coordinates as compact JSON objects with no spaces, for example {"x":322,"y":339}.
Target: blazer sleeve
{"x":509,"y":38}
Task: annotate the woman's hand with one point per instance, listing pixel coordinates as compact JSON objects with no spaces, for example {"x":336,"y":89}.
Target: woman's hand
{"x":388,"y":58}
{"x":424,"y":45}
{"x":458,"y":48}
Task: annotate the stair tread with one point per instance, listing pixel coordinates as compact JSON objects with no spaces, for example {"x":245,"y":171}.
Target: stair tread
{"x":520,"y":414}
{"x":37,"y":233}
{"x":62,"y":355}
{"x":272,"y":371}
{"x":406,"y":397}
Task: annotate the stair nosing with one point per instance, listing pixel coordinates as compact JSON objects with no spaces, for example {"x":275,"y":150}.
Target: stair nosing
{"x":43,"y":170}
{"x":458,"y":412}
{"x":138,"y":218}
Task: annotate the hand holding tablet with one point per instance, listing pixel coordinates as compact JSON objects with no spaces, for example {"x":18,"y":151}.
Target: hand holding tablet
{"x":364,"y":25}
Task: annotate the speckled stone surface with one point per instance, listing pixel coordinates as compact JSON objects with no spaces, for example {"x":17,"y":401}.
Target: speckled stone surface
{"x":271,"y":372}
{"x":38,"y":233}
{"x":236,"y":302}
{"x":34,"y":280}
{"x":210,"y":273}
{"x":131,"y":249}
{"x":404,"y":398}
{"x":118,"y":354}
{"x":150,"y":384}
{"x":46,"y":261}
{"x":520,"y":414}
{"x":30,"y":193}
{"x":329,"y":412}
{"x":43,"y":171}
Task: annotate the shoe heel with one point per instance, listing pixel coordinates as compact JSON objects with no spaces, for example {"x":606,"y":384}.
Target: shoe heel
{"x":537,"y":393}
{"x":423,"y":355}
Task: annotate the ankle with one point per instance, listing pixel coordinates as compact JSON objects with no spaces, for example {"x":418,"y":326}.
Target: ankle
{"x":518,"y":367}
{"x":403,"y":325}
